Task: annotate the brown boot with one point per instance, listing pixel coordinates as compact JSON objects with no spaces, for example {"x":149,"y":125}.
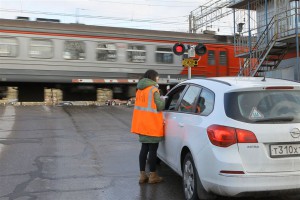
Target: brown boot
{"x":143,"y":177}
{"x":154,"y":178}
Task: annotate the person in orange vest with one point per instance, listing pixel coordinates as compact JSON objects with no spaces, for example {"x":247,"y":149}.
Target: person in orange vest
{"x":148,"y":123}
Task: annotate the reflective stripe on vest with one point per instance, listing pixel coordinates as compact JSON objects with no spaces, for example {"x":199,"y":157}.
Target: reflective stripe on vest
{"x":149,"y":107}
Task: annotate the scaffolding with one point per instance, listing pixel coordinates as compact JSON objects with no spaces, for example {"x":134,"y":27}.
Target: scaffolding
{"x":265,"y":31}
{"x":208,"y":13}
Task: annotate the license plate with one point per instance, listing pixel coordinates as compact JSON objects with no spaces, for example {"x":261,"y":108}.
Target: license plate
{"x":285,"y":150}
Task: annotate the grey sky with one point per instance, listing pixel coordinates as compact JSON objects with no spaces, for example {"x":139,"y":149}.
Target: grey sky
{"x":147,"y":14}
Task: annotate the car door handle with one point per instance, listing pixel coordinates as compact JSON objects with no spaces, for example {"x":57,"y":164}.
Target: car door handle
{"x":181,"y":124}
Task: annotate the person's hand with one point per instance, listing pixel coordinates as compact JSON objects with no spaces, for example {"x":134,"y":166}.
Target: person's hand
{"x":163,"y":97}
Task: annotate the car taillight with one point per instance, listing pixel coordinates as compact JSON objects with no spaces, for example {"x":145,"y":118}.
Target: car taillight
{"x":221,"y":136}
{"x":244,"y":136}
{"x":224,"y":136}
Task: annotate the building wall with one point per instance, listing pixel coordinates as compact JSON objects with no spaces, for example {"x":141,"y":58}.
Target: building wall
{"x":285,"y":71}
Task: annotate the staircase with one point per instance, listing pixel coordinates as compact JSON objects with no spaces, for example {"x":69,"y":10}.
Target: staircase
{"x":265,"y":55}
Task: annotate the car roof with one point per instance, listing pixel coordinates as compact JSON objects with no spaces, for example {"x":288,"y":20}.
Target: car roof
{"x":230,"y":83}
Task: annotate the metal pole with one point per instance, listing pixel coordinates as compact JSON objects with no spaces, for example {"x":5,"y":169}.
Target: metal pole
{"x":194,"y":24}
{"x":249,"y":38}
{"x":235,"y":39}
{"x":190,"y":22}
{"x":266,"y":11}
{"x":296,"y":71}
{"x":189,"y":72}
{"x":234,"y":34}
{"x":77,"y":11}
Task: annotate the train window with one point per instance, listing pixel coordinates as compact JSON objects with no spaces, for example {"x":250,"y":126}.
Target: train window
{"x":41,"y":48}
{"x":74,"y":50}
{"x":106,"y":52}
{"x":211,"y":57}
{"x":164,"y":55}
{"x":136,"y":53}
{"x":223,"y":58}
{"x":8,"y":47}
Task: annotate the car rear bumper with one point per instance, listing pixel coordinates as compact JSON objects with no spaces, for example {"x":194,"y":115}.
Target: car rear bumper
{"x":252,"y":184}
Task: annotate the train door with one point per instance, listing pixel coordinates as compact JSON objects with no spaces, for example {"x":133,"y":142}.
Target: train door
{"x":222,"y":62}
{"x":217,"y":61}
{"x":212,"y":62}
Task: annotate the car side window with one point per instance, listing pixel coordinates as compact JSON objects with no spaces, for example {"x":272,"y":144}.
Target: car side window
{"x":188,"y":102}
{"x":173,"y":97}
{"x":206,"y":102}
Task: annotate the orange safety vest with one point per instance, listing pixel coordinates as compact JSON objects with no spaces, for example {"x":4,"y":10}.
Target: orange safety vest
{"x":146,"y":120}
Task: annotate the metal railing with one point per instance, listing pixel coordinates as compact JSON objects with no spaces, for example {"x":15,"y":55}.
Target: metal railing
{"x":256,"y":50}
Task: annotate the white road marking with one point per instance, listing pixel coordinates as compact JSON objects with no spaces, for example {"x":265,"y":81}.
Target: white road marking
{"x":7,"y":122}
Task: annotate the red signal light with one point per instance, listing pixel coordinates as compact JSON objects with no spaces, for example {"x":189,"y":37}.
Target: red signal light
{"x":178,"y":49}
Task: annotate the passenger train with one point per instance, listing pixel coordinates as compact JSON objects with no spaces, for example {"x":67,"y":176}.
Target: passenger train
{"x":48,"y":52}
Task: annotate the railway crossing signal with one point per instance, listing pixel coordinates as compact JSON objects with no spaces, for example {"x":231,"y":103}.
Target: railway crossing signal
{"x":199,"y":49}
{"x":178,"y":49}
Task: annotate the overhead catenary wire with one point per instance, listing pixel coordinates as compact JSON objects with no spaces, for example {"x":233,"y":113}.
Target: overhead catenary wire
{"x":144,"y":4}
{"x":210,"y":12}
{"x":93,"y":16}
{"x":170,"y":1}
{"x":170,"y":22}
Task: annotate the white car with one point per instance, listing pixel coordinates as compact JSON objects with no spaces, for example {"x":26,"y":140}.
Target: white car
{"x":234,"y":136}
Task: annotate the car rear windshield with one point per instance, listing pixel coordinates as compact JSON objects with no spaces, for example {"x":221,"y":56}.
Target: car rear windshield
{"x":268,"y":106}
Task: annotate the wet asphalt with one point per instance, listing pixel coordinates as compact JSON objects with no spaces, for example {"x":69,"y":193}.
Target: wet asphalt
{"x":76,"y":153}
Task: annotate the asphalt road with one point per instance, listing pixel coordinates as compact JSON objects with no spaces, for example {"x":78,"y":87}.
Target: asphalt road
{"x":75,"y":153}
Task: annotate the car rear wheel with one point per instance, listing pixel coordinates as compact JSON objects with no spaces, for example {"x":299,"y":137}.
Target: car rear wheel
{"x":193,"y":189}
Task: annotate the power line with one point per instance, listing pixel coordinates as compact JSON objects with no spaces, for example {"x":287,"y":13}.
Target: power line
{"x":95,"y":17}
{"x":196,"y":2}
{"x":142,"y":4}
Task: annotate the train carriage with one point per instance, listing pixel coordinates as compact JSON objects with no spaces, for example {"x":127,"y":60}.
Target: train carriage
{"x":50,"y":52}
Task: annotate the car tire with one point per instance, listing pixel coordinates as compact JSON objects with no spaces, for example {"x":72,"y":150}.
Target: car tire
{"x":192,"y":186}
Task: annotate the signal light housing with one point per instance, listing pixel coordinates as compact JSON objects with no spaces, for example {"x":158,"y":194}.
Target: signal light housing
{"x":200,"y":49}
{"x":178,"y":49}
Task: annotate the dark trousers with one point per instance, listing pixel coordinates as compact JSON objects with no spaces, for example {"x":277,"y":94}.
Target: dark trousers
{"x":152,"y":149}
